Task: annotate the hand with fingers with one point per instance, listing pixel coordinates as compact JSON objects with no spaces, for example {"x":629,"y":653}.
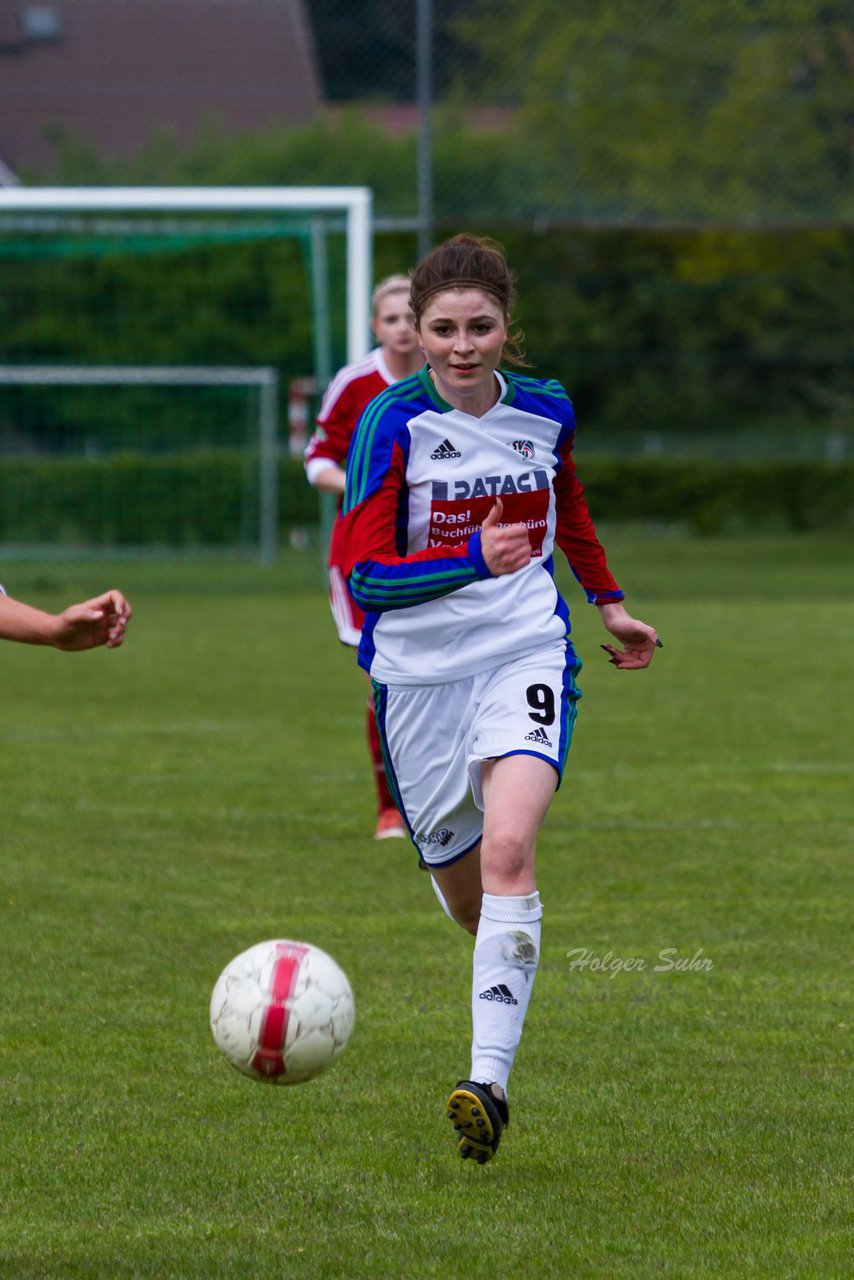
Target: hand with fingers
{"x":101,"y":621}
{"x":639,"y":640}
{"x":506,"y":548}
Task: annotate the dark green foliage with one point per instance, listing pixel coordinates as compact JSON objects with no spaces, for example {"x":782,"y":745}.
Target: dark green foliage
{"x":125,"y":299}
{"x":695,"y":109}
{"x":200,"y":500}
{"x":142,"y":500}
{"x":712,"y":497}
{"x":694,"y":330}
{"x":649,"y":330}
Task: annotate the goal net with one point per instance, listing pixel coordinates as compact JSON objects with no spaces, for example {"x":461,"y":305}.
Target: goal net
{"x":150,"y":343}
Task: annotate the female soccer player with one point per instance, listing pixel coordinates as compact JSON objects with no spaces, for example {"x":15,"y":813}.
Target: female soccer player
{"x":101,"y":621}
{"x":460,"y":480}
{"x":397,"y":356}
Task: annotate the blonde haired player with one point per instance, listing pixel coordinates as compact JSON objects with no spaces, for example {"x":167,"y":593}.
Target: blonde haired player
{"x":396,"y":356}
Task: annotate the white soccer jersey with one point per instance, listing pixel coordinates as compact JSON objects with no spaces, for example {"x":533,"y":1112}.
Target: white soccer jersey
{"x":421,"y":478}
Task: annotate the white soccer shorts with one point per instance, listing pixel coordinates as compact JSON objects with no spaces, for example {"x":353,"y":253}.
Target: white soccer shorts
{"x":436,"y":736}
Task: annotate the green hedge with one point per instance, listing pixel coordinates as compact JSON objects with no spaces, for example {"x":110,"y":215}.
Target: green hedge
{"x":714,"y":497}
{"x":648,"y":330}
{"x":205,"y":499}
{"x":210,"y":499}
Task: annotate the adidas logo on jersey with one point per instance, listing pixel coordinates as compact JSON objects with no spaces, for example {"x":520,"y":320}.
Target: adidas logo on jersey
{"x":538,"y":735}
{"x":500,"y":994}
{"x":445,"y":450}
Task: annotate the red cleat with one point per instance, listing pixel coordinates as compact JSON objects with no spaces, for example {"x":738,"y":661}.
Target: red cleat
{"x":390,"y":826}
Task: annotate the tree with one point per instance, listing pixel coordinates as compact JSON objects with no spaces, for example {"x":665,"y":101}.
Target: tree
{"x":690,"y":109}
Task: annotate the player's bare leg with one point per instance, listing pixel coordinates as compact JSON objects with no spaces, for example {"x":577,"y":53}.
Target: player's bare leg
{"x":517,"y":791}
{"x":461,"y":890}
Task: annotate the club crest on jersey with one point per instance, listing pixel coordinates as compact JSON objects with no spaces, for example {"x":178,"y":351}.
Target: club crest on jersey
{"x":490,"y":486}
{"x":525,"y":447}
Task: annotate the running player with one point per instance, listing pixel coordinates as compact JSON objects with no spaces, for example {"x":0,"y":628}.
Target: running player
{"x":397,"y":356}
{"x":460,"y":481}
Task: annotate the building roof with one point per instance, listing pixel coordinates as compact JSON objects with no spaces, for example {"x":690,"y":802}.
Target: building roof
{"x":113,"y":71}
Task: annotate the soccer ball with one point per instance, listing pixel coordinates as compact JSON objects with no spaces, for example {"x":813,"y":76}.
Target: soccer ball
{"x":282,"y":1011}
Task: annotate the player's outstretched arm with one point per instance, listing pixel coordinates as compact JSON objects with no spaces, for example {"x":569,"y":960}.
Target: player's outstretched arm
{"x":639,"y":640}
{"x":100,"y":621}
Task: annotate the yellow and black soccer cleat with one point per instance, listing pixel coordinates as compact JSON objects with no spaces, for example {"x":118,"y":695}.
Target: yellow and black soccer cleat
{"x":479,"y":1115}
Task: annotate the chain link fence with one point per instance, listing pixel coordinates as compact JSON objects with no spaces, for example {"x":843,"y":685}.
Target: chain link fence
{"x":671,"y":112}
{"x":673,"y":179}
{"x":688,"y":112}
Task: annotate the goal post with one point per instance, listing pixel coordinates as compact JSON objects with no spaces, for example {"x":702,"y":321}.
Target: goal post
{"x":159,"y":289}
{"x":355,"y":203}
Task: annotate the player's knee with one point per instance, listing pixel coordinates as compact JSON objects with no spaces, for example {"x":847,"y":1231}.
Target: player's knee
{"x":507,"y":861}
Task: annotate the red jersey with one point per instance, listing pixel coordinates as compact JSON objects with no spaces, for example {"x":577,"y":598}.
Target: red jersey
{"x":348,"y":394}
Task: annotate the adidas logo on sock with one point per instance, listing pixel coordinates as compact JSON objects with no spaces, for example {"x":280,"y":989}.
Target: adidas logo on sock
{"x":500,"y":994}
{"x":446,"y":450}
{"x":538,"y":735}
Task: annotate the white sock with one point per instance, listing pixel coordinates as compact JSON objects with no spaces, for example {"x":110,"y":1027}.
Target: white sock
{"x":506,"y":954}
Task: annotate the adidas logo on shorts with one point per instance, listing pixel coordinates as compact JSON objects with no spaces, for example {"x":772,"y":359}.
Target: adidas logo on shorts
{"x":538,"y":735}
{"x":445,"y":450}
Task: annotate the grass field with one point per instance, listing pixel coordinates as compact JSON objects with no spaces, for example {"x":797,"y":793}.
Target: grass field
{"x":165,"y":806}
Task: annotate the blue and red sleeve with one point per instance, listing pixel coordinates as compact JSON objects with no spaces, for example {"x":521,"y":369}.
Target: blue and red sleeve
{"x":575,"y":534}
{"x":382,"y":575}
